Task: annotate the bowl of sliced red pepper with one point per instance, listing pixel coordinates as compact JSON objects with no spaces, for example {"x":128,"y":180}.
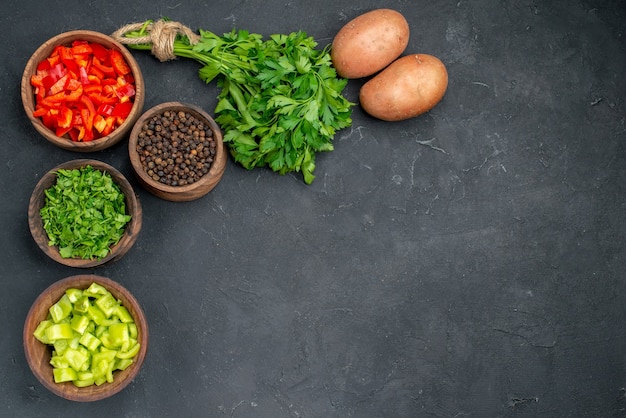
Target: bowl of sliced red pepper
{"x":82,"y":91}
{"x":85,"y":337}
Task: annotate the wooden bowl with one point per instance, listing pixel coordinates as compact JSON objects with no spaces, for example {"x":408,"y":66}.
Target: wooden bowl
{"x":38,"y":200}
{"x":28,"y":91}
{"x":178,"y":193}
{"x":38,"y":354}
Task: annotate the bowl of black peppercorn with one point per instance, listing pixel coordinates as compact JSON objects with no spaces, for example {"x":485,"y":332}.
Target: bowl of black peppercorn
{"x":177,"y":151}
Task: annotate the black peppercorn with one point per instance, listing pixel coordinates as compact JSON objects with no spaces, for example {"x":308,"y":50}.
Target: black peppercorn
{"x":176,"y":148}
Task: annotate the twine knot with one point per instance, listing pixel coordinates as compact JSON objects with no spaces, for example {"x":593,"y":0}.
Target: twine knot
{"x":161,"y":34}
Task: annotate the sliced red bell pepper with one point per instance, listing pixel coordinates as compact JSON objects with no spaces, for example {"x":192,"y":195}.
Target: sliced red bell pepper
{"x":92,"y":89}
{"x":52,"y":100}
{"x":73,"y":84}
{"x":62,"y":131}
{"x":40,"y":94}
{"x":83,"y":91}
{"x":110,"y":125}
{"x":53,"y":60}
{"x":88,"y":134}
{"x":105,"y":109}
{"x":99,"y":99}
{"x":99,"y":51}
{"x":118,"y":62}
{"x":36,"y":80}
{"x":99,"y":123}
{"x":125,"y":91}
{"x":68,"y":59}
{"x":80,"y":61}
{"x":81,"y":49}
{"x":58,"y":86}
{"x":95,"y":71}
{"x":65,"y":53}
{"x":74,"y":135}
{"x":111,"y":82}
{"x":40,"y":111}
{"x":88,"y":112}
{"x":65,"y":117}
{"x":75,"y":95}
{"x":56,"y":71}
{"x":93,"y":79}
{"x":83,"y":76}
{"x":107,"y":70}
{"x":122,"y":110}
{"x":44,"y":65}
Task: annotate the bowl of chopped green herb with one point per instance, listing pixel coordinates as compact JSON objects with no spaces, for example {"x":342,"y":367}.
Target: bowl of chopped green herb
{"x":85,"y":337}
{"x":84,"y":213}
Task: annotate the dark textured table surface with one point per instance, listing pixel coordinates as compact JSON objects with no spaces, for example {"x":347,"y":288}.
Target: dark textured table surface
{"x":466,"y":263}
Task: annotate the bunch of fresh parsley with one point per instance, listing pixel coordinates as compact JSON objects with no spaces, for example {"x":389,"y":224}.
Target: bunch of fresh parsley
{"x":280,"y":99}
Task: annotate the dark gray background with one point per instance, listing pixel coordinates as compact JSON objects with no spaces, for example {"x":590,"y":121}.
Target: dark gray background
{"x":465,"y":263}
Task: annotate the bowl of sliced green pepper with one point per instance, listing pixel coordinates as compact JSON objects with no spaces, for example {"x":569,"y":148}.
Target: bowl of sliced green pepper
{"x":84,"y":213}
{"x":85,"y":338}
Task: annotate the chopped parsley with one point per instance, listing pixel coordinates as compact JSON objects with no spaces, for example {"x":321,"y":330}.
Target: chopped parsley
{"x":84,"y":213}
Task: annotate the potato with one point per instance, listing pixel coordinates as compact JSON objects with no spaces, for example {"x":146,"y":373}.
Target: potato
{"x":369,"y":43}
{"x":408,"y":87}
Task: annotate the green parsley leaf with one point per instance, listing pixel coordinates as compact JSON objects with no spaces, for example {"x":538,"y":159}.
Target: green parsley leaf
{"x":280,"y":99}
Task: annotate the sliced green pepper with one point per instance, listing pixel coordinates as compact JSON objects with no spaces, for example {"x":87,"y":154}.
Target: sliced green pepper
{"x":66,"y":374}
{"x":95,"y":290}
{"x":40,"y":331}
{"x":80,"y":323}
{"x":82,"y":383}
{"x":59,"y":362}
{"x":107,"y":304}
{"x":74,"y":295}
{"x":118,"y":334}
{"x":61,"y":310}
{"x":74,"y":342}
{"x":99,"y":380}
{"x":90,"y":341}
{"x":60,"y":346}
{"x":82,"y":304}
{"x":96,"y":337}
{"x":122,"y":313}
{"x":132,"y":352}
{"x":96,"y":315}
{"x":103,"y":363}
{"x":84,"y":376}
{"x":77,"y":359}
{"x":122,"y":364}
{"x":132,"y":330}
{"x":100,"y":329}
{"x":59,"y":331}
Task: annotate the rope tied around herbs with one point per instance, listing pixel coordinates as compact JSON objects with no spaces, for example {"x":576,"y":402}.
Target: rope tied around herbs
{"x":161,"y":34}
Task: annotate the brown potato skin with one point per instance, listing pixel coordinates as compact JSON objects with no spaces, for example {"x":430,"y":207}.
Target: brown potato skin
{"x":408,"y":87}
{"x":369,"y":42}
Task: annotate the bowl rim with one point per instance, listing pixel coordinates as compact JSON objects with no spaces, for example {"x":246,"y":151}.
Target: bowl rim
{"x":38,"y":354}
{"x":217,"y":166}
{"x":28,"y":95}
{"x":133,"y":206}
